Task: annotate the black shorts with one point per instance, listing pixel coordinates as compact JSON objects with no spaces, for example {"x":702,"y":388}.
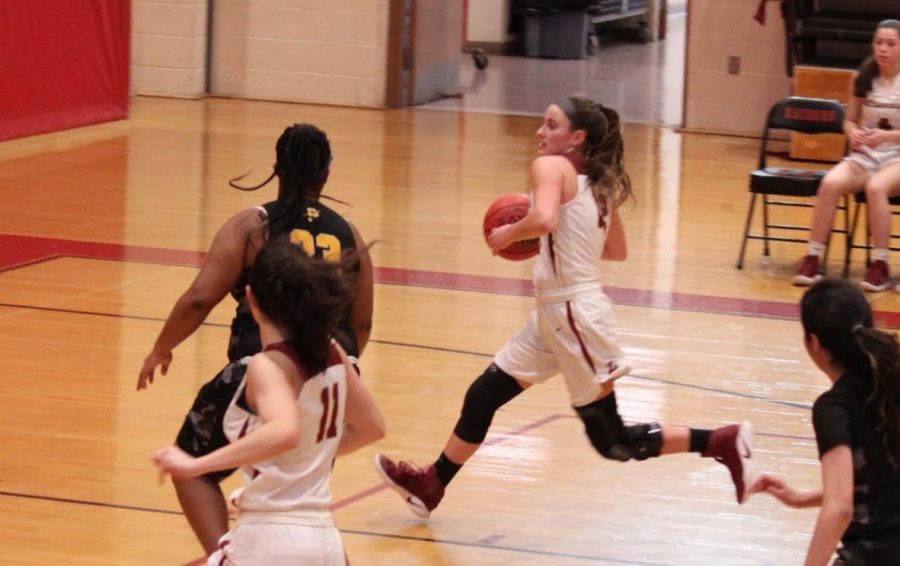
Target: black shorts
{"x":202,"y":430}
{"x":244,"y":343}
{"x":867,"y":553}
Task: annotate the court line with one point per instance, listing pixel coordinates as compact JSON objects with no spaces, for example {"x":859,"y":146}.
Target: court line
{"x":19,"y":251}
{"x":449,"y":542}
{"x":494,"y":439}
{"x":90,"y":503}
{"x":506,"y":548}
{"x":793,"y":404}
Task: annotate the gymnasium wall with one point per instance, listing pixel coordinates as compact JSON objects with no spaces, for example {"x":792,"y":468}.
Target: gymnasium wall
{"x":715,"y":100}
{"x":334,"y":52}
{"x":487,"y":21}
{"x":168,"y":54}
{"x":316,"y":51}
{"x":63,"y":64}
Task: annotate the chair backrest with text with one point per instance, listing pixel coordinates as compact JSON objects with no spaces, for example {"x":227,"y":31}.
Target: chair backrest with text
{"x":812,"y":116}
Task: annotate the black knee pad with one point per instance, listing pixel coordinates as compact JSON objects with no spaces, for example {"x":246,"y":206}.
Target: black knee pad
{"x":612,"y":439}
{"x":490,"y":391}
{"x":605,"y":429}
{"x":645,"y":440}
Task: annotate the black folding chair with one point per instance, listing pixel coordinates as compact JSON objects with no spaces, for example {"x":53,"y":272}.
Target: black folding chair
{"x":791,"y":186}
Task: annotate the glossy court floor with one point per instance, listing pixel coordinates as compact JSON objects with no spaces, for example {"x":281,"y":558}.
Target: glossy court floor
{"x":101,"y":229}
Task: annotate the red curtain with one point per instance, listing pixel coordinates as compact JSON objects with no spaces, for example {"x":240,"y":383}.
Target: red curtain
{"x":63,"y":63}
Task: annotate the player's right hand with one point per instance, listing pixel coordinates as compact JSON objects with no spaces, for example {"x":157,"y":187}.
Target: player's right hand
{"x":153,"y":359}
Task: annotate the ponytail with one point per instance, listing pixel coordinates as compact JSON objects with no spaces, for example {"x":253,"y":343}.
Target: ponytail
{"x":603,"y":149}
{"x":883,"y":355}
{"x":304,"y":296}
{"x":839,"y":316}
{"x":867,"y":73}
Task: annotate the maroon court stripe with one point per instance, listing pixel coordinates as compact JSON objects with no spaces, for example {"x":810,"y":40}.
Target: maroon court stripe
{"x":18,"y":251}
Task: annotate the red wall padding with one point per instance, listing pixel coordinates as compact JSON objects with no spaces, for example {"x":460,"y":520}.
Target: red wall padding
{"x":63,"y":63}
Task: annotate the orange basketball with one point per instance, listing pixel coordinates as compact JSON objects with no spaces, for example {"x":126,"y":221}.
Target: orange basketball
{"x":507,"y":210}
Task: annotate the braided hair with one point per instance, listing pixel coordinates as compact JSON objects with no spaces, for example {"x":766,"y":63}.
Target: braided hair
{"x":839,"y":315}
{"x":302,"y":162}
{"x":304,"y":296}
{"x":603,"y":149}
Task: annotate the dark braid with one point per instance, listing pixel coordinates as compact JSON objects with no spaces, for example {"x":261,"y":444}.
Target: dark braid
{"x":302,"y":161}
{"x":839,"y":315}
{"x":604,"y":150}
{"x":305,"y":297}
{"x":868,"y":71}
{"x":303,"y":156}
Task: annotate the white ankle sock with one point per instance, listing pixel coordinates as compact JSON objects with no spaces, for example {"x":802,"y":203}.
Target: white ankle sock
{"x":815,"y":248}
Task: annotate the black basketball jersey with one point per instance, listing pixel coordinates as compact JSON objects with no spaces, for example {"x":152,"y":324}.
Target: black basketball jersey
{"x":844,"y":415}
{"x":319,"y":231}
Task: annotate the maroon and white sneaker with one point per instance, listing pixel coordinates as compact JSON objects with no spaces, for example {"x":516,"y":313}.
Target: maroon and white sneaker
{"x":420,"y":488}
{"x":877,"y":277}
{"x":808,"y":272}
{"x":732,"y":446}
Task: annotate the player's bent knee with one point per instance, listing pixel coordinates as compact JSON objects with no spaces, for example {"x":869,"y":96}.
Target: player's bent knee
{"x":645,"y":440}
{"x":490,"y":391}
{"x":605,"y":430}
{"x":615,"y":441}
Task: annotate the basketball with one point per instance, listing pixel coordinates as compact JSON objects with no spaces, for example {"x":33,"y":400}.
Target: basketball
{"x":507,"y":210}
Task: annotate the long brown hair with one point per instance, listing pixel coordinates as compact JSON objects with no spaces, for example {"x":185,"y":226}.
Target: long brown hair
{"x":306,"y":297}
{"x":603,"y":149}
{"x":839,"y":315}
{"x":868,"y":71}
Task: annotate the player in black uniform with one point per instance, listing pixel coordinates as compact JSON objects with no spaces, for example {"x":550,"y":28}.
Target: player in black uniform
{"x":857,"y":424}
{"x":303,"y":160}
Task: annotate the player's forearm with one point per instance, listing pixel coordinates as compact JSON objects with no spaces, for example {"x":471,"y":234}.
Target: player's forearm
{"x":830,"y":526}
{"x":270,"y":440}
{"x":186,"y":317}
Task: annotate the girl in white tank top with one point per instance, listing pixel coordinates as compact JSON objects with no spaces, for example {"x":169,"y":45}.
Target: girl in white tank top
{"x":578,"y":182}
{"x":301,"y":404}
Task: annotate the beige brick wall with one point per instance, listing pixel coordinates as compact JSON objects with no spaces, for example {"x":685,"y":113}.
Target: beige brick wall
{"x":168,"y":47}
{"x":720,"y":102}
{"x":319,"y":51}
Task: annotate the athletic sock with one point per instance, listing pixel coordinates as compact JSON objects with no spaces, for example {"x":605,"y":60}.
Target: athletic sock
{"x":446,"y":468}
{"x":815,"y":248}
{"x":699,"y":439}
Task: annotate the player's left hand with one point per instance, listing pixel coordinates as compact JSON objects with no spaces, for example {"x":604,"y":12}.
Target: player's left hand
{"x":500,"y":238}
{"x":175,"y":461}
{"x":875,"y":137}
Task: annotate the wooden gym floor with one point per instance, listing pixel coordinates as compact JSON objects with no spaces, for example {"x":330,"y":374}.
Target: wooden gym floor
{"x":101,"y":228}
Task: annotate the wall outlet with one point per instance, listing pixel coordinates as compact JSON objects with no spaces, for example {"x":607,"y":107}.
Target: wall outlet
{"x":734,"y":65}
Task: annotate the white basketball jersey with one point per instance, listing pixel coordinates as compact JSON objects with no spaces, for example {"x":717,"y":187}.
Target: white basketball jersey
{"x":881,"y":109}
{"x":298,"y":482}
{"x":570,"y":255}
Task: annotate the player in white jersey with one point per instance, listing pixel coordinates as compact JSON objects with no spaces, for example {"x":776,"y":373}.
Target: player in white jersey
{"x":300,"y":405}
{"x":302,"y":167}
{"x":872,"y":126}
{"x":578,"y":182}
